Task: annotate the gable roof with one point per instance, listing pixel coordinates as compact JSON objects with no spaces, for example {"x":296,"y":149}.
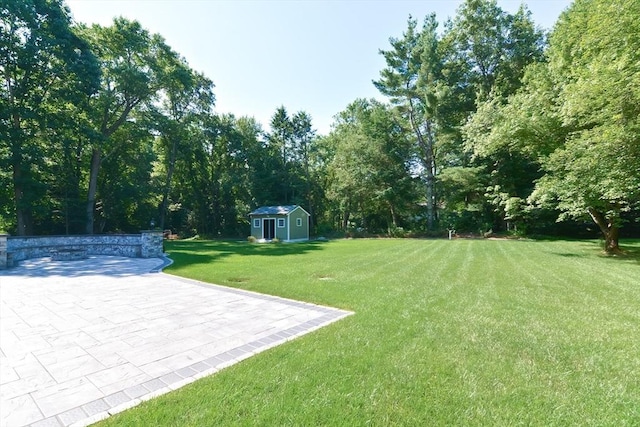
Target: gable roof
{"x":276,"y":210}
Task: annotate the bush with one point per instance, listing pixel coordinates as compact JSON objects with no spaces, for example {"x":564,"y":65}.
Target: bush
{"x":397,"y":232}
{"x":251,"y":239}
{"x":355,"y":233}
{"x":324,"y":229}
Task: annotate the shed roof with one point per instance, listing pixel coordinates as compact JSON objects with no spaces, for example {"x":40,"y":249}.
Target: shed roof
{"x":275,"y":210}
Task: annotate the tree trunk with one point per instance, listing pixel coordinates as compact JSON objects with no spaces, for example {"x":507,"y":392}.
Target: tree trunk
{"x":430,"y":165}
{"x":308,"y":190}
{"x":18,"y":193}
{"x":394,"y":216}
{"x":430,"y":196}
{"x":22,"y":214}
{"x":96,"y":159}
{"x":345,"y":219}
{"x":167,"y":187}
{"x":611,"y":242}
{"x":609,"y":230}
{"x":426,"y":146}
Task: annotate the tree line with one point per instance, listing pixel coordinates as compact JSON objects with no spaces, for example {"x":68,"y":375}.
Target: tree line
{"x":490,"y":124}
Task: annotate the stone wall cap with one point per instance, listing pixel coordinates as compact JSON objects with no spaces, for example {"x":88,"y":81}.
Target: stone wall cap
{"x":47,"y":236}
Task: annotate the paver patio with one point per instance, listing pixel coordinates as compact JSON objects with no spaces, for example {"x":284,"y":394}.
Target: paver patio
{"x":82,"y":340}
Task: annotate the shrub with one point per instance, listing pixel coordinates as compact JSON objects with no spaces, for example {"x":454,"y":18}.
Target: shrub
{"x":355,"y":232}
{"x":397,"y":232}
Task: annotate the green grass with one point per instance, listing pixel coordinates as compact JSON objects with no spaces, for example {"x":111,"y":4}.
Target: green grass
{"x":462,"y":332}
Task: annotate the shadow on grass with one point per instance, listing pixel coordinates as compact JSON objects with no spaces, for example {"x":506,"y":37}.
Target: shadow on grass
{"x":570,"y":255}
{"x":207,"y":251}
{"x":630,"y":250}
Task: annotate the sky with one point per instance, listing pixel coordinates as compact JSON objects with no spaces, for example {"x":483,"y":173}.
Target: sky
{"x":306,"y":55}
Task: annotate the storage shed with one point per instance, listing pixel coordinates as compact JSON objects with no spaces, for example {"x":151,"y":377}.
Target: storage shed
{"x":286,"y":223}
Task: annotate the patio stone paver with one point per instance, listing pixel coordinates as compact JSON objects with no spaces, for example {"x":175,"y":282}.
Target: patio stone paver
{"x":82,"y":340}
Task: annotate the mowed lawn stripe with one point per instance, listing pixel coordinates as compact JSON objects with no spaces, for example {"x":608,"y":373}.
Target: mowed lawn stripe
{"x":462,"y":332}
{"x":572,"y":320}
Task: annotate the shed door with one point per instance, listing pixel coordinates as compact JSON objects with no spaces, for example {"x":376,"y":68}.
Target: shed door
{"x":268,"y":229}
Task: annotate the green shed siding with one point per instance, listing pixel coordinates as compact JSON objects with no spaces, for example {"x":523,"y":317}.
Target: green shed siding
{"x":296,"y":231}
{"x":256,"y":231}
{"x":281,"y":233}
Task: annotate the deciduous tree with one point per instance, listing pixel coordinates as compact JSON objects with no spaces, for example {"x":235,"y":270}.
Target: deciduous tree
{"x":131,"y":76}
{"x":594,"y":58}
{"x":186,"y":101}
{"x":369,"y":176}
{"x":44,"y":66}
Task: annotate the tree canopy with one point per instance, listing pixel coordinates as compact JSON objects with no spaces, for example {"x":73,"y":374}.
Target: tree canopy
{"x":490,"y":125}
{"x":576,"y":117}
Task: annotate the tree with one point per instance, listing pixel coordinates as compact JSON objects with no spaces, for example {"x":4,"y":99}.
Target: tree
{"x":463,"y":205}
{"x":131,"y":75}
{"x":509,"y":140}
{"x":369,"y":166}
{"x":44,"y":65}
{"x":245,"y":157}
{"x":491,"y":48}
{"x":228,"y":172}
{"x":280,"y":140}
{"x":412,"y":81}
{"x":127,"y":193}
{"x":65,"y":149}
{"x":303,"y":144}
{"x":487,"y":50}
{"x":291,"y":140}
{"x":186,"y":101}
{"x":594,"y":58}
{"x":577,"y":117}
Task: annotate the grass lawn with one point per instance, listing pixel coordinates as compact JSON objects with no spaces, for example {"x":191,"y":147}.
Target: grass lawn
{"x":462,"y":332}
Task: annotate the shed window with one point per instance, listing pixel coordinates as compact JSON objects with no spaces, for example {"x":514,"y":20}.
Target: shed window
{"x":299,"y":222}
{"x":256,"y":223}
{"x":280,"y":222}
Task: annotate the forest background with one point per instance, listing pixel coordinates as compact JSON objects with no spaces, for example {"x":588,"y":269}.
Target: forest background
{"x":491,"y":125}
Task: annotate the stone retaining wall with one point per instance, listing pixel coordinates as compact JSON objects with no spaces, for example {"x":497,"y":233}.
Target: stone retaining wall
{"x":148,"y":244}
{"x":3,"y":251}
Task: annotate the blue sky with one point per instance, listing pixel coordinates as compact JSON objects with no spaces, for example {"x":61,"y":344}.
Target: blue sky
{"x":316,"y":56}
